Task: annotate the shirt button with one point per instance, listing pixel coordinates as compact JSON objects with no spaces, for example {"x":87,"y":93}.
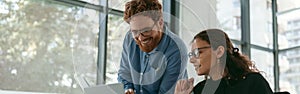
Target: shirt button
{"x":141,"y":91}
{"x":141,"y":74}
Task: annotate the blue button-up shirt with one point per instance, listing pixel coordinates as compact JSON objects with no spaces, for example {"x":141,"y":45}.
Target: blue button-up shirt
{"x":155,"y":72}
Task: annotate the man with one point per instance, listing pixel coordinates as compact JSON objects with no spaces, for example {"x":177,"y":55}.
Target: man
{"x":153,"y":58}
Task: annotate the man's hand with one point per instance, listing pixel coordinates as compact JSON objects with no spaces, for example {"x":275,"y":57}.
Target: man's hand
{"x":184,"y":86}
{"x":129,"y":91}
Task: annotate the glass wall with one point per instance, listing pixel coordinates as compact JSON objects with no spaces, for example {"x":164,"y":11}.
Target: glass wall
{"x":42,"y":45}
{"x":289,"y":29}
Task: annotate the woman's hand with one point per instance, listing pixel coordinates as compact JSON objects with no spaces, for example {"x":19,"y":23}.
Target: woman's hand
{"x":184,"y":86}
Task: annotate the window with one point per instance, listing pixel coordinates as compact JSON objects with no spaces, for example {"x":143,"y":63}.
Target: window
{"x":43,"y":43}
{"x":237,"y":23}
{"x":269,"y":4}
{"x":236,"y":3}
{"x":290,"y":26}
{"x":264,"y":62}
{"x":260,"y":19}
{"x":117,"y":4}
{"x":117,"y":29}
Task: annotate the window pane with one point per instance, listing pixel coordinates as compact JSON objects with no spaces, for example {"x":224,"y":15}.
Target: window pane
{"x":117,"y":29}
{"x":289,"y":29}
{"x":229,"y":17}
{"x":261,"y":23}
{"x":287,"y":5}
{"x":289,"y":71}
{"x":289,"y":23}
{"x":200,"y":15}
{"x":117,"y":4}
{"x":264,"y":62}
{"x":41,"y":41}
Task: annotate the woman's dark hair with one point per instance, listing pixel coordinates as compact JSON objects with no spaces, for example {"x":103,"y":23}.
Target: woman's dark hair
{"x":150,"y":8}
{"x":237,"y":64}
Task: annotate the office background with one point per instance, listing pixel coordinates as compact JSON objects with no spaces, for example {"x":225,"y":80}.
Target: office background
{"x":44,"y":43}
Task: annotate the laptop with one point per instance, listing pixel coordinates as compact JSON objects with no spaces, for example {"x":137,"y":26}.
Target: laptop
{"x":116,"y":88}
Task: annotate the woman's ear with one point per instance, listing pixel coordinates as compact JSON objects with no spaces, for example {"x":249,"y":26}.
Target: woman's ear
{"x":220,"y":51}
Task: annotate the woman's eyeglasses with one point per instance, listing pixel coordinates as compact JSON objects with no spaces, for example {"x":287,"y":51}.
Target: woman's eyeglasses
{"x":196,"y":52}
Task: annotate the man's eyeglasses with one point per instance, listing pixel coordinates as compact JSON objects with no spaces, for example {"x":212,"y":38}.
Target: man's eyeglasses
{"x":196,"y":52}
{"x":144,"y":32}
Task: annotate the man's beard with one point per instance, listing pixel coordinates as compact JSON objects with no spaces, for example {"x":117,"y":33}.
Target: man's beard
{"x":148,"y":48}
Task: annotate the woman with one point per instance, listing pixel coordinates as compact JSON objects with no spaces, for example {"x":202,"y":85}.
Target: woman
{"x":226,"y":70}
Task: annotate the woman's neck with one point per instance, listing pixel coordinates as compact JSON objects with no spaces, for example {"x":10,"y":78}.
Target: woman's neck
{"x":217,"y":75}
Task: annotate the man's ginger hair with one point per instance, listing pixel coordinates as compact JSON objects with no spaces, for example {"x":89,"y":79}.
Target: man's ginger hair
{"x":150,"y":8}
